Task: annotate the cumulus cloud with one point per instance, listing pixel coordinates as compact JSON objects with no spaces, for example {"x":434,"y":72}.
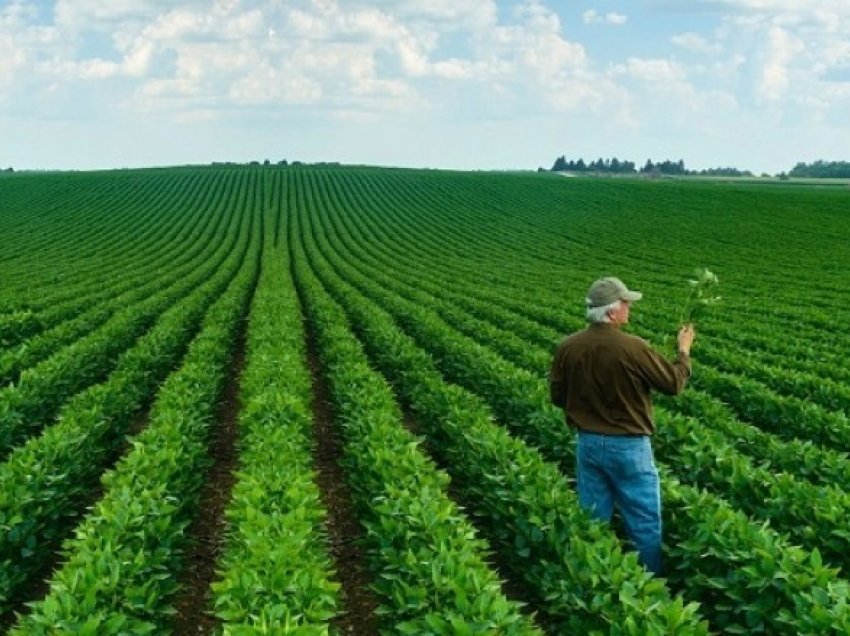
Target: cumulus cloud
{"x":780,"y":53}
{"x":463,"y":60}
{"x":303,"y":51}
{"x":591,"y":16}
{"x":651,"y":70}
{"x":695,"y":43}
{"x":526,"y":66}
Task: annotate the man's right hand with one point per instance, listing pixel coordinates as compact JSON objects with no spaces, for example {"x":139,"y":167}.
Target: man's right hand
{"x":686,"y":338}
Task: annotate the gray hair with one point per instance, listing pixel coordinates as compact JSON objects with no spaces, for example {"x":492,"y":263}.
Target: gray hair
{"x":597,"y":315}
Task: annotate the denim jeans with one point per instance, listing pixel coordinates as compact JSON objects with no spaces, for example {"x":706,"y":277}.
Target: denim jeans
{"x":616,"y":470}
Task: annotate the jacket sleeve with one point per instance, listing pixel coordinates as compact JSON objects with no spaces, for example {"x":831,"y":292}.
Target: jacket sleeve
{"x":662,"y":374}
{"x":557,"y":383}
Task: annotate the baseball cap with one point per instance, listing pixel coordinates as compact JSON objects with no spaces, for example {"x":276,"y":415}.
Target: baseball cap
{"x":606,"y":291}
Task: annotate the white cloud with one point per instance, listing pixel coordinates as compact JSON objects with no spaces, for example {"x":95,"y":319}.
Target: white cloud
{"x":303,"y":24}
{"x":306,"y":51}
{"x":769,"y":62}
{"x":591,"y":16}
{"x":11,"y":59}
{"x":695,"y":43}
{"x":655,"y":71}
{"x":16,"y":14}
{"x":77,"y":16}
{"x":781,"y":51}
{"x":266,"y":85}
{"x":462,"y":15}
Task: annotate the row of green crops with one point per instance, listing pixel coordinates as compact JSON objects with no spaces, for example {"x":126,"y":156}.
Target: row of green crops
{"x":122,"y":560}
{"x":519,"y":404}
{"x":430,"y":567}
{"x":275,"y":573}
{"x":789,"y":503}
{"x":578,"y":572}
{"x":435,"y":300}
{"x":45,"y":480}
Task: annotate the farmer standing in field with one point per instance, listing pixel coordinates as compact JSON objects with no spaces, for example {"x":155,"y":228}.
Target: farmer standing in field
{"x":602,"y":378}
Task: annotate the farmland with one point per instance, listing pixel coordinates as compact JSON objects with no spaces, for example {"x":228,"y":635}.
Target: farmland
{"x":255,"y":399}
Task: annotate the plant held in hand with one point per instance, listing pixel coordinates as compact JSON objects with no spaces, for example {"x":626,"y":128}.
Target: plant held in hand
{"x":702,"y":296}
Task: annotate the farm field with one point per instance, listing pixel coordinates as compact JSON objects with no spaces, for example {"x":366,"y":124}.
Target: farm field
{"x":314,"y":400}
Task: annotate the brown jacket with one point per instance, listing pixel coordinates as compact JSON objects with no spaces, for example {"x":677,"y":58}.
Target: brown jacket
{"x":603,"y":377}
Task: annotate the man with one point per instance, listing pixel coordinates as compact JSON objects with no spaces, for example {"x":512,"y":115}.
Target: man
{"x":602,"y":378}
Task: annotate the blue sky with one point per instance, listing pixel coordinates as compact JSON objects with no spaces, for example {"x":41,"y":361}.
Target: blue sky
{"x":468,"y":84}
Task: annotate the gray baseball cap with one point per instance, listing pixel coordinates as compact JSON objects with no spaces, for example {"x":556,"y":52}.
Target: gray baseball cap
{"x":606,"y":291}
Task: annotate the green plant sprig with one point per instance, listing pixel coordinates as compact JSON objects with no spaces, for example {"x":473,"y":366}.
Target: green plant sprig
{"x":702,"y":296}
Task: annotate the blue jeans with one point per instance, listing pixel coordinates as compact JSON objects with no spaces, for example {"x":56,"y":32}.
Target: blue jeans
{"x":615,"y":470}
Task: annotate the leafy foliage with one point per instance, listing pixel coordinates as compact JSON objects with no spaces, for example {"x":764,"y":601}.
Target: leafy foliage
{"x":701,"y":297}
{"x":458,"y":286}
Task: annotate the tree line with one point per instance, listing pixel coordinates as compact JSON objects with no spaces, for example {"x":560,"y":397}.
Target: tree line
{"x":616,"y":166}
{"x":822,"y":169}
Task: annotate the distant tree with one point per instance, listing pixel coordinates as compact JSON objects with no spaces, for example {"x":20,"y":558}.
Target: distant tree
{"x":822,"y":169}
{"x":648,"y":167}
{"x":670,"y":167}
{"x":723,"y":172}
{"x":664,"y":167}
{"x":617,"y":166}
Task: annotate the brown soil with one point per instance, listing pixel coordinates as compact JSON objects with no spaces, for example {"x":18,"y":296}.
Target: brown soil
{"x":344,"y":531}
{"x":205,"y":534}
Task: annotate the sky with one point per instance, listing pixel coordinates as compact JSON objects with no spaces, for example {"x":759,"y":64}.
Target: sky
{"x":461,"y":84}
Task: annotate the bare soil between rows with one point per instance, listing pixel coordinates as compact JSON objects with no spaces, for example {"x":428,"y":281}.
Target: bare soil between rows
{"x":344,"y":530}
{"x":205,"y":535}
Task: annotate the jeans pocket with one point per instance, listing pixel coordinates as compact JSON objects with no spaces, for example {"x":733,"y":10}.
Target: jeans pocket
{"x":632,"y":459}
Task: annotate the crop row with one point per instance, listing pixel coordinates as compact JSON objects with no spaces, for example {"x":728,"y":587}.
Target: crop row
{"x":44,"y":482}
{"x":555,"y":209}
{"x":100,"y":243}
{"x":67,"y":299}
{"x":429,"y":566}
{"x":121,"y":565}
{"x":763,"y":407}
{"x":690,"y":555}
{"x":413,"y":233}
{"x":573,"y":564}
{"x":274,"y":573}
{"x":160,"y":275}
{"x":69,"y":237}
{"x":27,"y":406}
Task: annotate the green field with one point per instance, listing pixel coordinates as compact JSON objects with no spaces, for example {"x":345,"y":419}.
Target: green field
{"x":314,"y":400}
